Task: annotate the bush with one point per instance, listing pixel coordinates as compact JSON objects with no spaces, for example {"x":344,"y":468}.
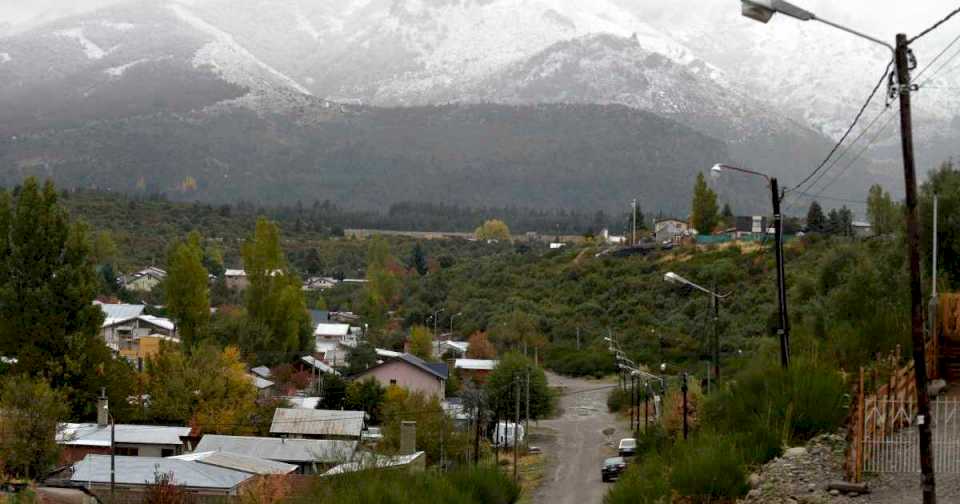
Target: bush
{"x":618,"y":400}
{"x":483,"y":485}
{"x":589,"y":362}
{"x":708,"y":468}
{"x":647,"y":482}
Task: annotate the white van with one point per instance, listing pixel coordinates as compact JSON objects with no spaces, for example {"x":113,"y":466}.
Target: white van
{"x":503,"y":434}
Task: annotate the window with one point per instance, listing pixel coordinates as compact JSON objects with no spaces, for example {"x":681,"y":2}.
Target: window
{"x":167,"y":452}
{"x":128,"y":451}
{"x":393,"y":382}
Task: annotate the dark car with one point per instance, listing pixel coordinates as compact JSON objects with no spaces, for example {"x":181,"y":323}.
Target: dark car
{"x":612,"y":467}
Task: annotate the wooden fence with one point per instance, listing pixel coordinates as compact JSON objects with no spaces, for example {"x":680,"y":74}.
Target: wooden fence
{"x":877,"y":416}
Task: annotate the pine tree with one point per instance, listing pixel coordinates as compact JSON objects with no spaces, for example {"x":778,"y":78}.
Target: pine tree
{"x":704,"y":214}
{"x":48,"y":321}
{"x":728,"y":219}
{"x":816,"y":222}
{"x":187,"y":290}
{"x":418,"y":260}
{"x":883,"y":213}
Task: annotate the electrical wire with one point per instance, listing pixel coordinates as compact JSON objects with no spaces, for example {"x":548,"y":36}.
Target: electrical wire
{"x":935,"y":26}
{"x":849,"y":130}
{"x":831,"y":198}
{"x":937,"y":57}
{"x":859,"y":154}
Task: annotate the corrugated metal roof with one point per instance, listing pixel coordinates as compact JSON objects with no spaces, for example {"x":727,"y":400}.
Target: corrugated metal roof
{"x":328,"y":329}
{"x":163,"y":323}
{"x":300,"y":402}
{"x":297,"y":451}
{"x":143,"y":470}
{"x":258,"y":382}
{"x":374,"y":461}
{"x":239,"y":462}
{"x":386,"y":353}
{"x":91,"y":434}
{"x":234,"y":273}
{"x":261,"y":371}
{"x":475,"y":364}
{"x":318,"y":364}
{"x":115,"y":313}
{"x":317,"y":422}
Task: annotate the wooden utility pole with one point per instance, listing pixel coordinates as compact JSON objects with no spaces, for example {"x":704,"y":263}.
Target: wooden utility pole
{"x":683,"y":389}
{"x":516,"y":428}
{"x":784,"y":329}
{"x":476,"y":438}
{"x":916,"y":295}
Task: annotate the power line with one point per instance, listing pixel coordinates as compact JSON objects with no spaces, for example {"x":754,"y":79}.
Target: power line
{"x":859,"y":155}
{"x":856,"y":120}
{"x":831,"y":198}
{"x":937,"y":57}
{"x":849,"y":148}
{"x":940,"y":68}
{"x":935,"y":26}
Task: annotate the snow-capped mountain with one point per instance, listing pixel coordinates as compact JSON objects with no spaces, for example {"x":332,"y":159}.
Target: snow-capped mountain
{"x":729,"y":80}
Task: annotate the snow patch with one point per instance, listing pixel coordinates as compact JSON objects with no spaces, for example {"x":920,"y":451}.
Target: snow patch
{"x":5,"y":57}
{"x":234,"y":62}
{"x":93,"y":51}
{"x":118,"y":71}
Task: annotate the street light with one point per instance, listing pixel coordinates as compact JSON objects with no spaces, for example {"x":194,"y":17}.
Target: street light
{"x":763,"y":10}
{"x":674,"y":278}
{"x":783,"y":331}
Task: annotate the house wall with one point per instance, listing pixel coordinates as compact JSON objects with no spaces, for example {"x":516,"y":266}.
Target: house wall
{"x":237,"y":283}
{"x":143,"y":284}
{"x":408,"y":377}
{"x":74,"y":453}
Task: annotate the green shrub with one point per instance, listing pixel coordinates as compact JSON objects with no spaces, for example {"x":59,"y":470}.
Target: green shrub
{"x":646,"y":482}
{"x":588,"y":362}
{"x":707,"y":468}
{"x":483,"y":485}
{"x":618,"y":400}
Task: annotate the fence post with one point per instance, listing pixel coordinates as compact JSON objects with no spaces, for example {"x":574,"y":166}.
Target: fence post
{"x":859,"y":437}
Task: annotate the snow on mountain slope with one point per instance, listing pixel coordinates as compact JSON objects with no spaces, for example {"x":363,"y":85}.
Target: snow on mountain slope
{"x":93,"y":51}
{"x":231,"y":59}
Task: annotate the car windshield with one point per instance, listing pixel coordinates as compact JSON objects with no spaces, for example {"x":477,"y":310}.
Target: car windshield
{"x":628,"y":443}
{"x":613,"y":461}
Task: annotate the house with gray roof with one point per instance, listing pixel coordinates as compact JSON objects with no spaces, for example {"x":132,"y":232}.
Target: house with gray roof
{"x":81,"y":439}
{"x":309,"y":455}
{"x":135,"y":474}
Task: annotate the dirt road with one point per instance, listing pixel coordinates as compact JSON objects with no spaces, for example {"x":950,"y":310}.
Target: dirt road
{"x":577,"y":442}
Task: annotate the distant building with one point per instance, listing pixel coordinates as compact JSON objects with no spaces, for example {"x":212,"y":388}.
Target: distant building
{"x":753,"y":225}
{"x":410,"y":372}
{"x":236,"y":279}
{"x":671,"y":230}
{"x":81,"y":439}
{"x":266,"y":389}
{"x":144,"y":280}
{"x":319,"y":283}
{"x":133,"y":475}
{"x":129,"y":332}
{"x":862,"y":229}
{"x":475,"y":369}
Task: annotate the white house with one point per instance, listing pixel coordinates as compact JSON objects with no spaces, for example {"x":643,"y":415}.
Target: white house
{"x":670,"y":229}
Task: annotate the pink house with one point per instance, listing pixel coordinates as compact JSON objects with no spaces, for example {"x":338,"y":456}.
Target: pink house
{"x":410,"y":372}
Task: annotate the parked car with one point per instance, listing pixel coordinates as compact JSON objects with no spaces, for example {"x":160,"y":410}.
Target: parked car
{"x":628,"y":447}
{"x":612,"y":468}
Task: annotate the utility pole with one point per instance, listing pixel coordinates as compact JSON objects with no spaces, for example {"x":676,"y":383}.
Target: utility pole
{"x":476,"y":438}
{"x":633,"y":236}
{"x":646,"y":409}
{"x":113,"y":456}
{"x":516,"y":429}
{"x":784,"y":329}
{"x":633,"y":400}
{"x":578,"y":337}
{"x":716,"y":337}
{"x":903,"y":57}
{"x":526,"y":428}
{"x":683,"y":389}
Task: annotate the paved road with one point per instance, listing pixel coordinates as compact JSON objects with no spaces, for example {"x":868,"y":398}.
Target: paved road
{"x":577,"y":442}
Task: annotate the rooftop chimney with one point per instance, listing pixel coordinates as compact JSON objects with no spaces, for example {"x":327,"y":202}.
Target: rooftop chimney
{"x":103,"y":418}
{"x":408,"y":437}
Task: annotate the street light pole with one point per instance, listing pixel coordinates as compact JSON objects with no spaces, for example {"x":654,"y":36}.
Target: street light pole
{"x":677,"y":279}
{"x":783,"y":326}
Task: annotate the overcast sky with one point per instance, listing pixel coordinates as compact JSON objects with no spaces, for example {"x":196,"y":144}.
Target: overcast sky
{"x":881,"y":17}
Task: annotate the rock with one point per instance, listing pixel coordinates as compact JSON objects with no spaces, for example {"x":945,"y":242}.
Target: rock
{"x":755,"y":480}
{"x":795,"y":452}
{"x":853,"y":494}
{"x":811,"y":488}
{"x":835,"y":492}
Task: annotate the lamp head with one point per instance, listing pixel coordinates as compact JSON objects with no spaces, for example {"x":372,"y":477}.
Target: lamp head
{"x":716,"y":171}
{"x":756,"y":10}
{"x":763,"y":10}
{"x":663,"y":366}
{"x":673,"y":278}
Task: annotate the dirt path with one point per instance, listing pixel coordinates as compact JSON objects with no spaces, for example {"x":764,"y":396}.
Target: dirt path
{"x":577,"y":442}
